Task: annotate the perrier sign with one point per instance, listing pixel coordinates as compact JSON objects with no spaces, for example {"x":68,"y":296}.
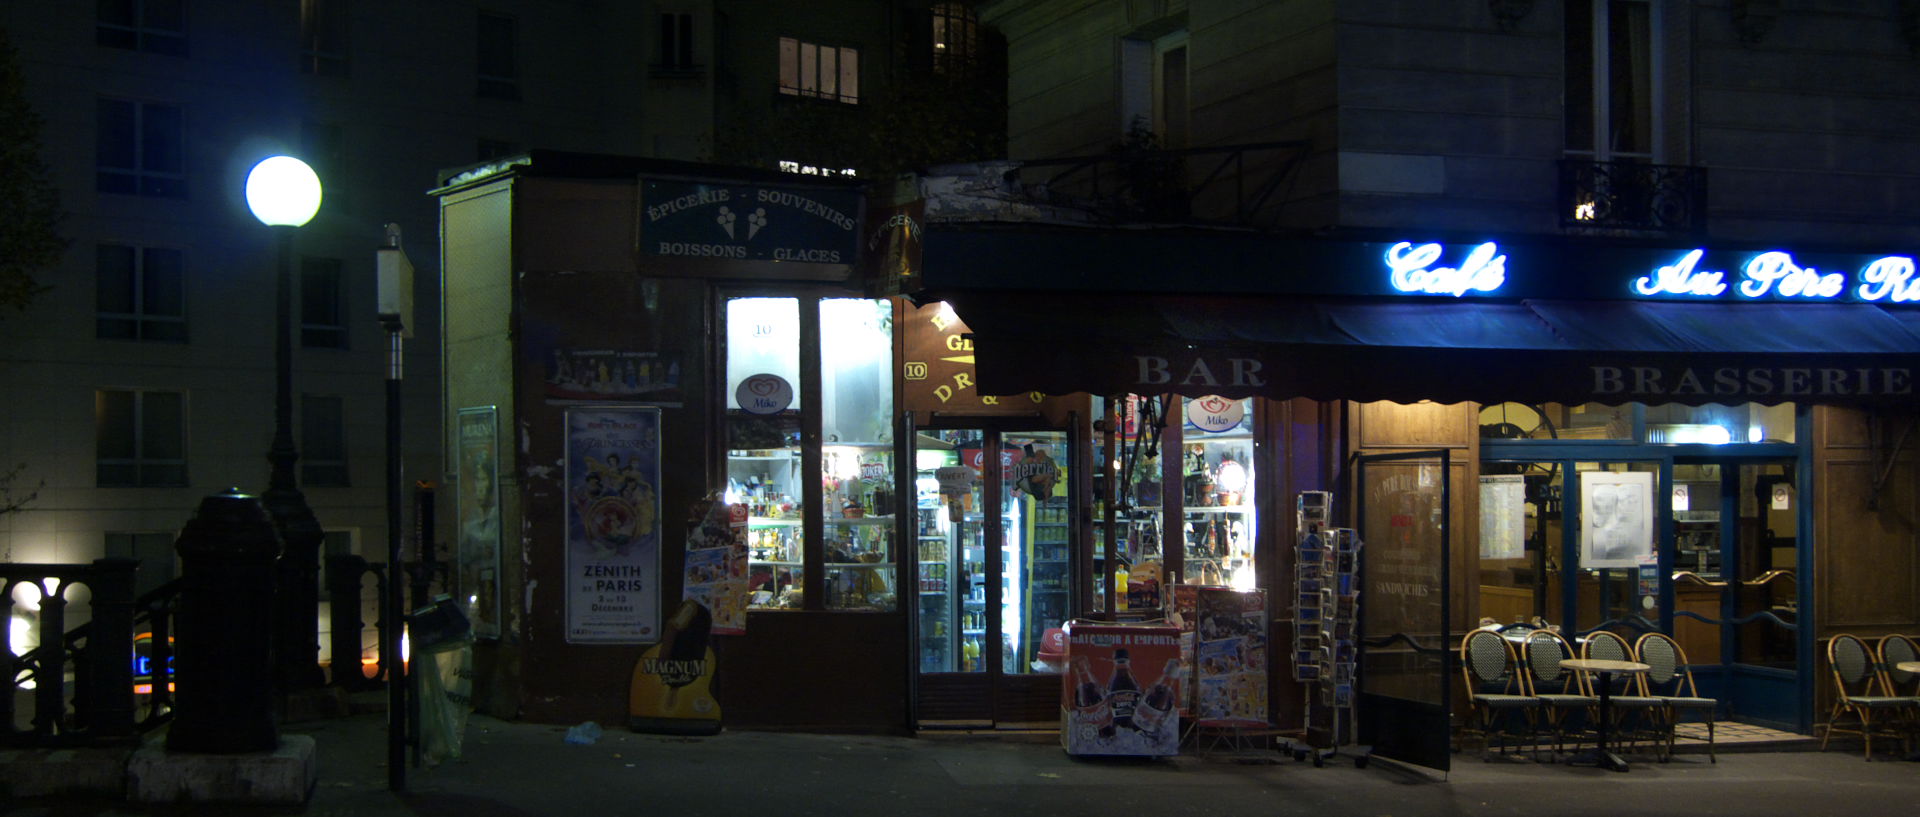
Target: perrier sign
{"x":938,"y":371}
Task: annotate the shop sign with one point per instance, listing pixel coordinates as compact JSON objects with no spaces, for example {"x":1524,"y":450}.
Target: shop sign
{"x":1215,"y":414}
{"x":815,"y":225}
{"x":1742,"y":383}
{"x":1416,"y":270}
{"x":764,"y":394}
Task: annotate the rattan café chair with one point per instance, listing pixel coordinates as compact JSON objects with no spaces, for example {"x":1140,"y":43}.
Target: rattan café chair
{"x":1494,"y":693}
{"x":1857,"y":693}
{"x":1624,"y":694}
{"x":1558,"y":690}
{"x":1669,"y":679}
{"x":1895,"y":649}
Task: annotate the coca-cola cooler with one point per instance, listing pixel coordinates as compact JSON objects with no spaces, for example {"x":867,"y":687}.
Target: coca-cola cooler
{"x":1118,"y":695}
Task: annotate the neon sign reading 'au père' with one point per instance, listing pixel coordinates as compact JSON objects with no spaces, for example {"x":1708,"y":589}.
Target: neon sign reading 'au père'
{"x":1484,"y":270}
{"x":1777,"y":275}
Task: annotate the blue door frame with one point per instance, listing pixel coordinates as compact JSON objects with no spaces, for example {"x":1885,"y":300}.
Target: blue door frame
{"x":1779,"y":698}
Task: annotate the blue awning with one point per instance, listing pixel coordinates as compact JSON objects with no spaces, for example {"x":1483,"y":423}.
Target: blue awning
{"x":1406,"y":350}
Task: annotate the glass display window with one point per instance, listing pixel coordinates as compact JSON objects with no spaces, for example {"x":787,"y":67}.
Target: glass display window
{"x":1217,"y":492}
{"x":843,"y":487}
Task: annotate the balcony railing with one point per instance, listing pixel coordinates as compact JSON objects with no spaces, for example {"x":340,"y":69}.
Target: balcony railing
{"x":99,"y":655}
{"x":1601,"y":196}
{"x":1231,"y":185}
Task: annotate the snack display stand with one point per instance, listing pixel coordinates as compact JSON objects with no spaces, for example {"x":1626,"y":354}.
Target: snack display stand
{"x":1326,"y":617}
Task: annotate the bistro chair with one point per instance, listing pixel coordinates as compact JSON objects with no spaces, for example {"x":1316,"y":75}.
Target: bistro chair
{"x":1558,"y":690}
{"x":1670,"y":679}
{"x":1855,"y":683}
{"x":1494,"y":693}
{"x":1624,"y":693}
{"x":1894,"y":649}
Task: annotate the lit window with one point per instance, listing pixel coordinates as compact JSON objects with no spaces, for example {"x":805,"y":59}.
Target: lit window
{"x":323,"y":37}
{"x":814,"y":170}
{"x":140,"y":149}
{"x":819,"y":71}
{"x":323,"y":441}
{"x":139,"y":293}
{"x":140,"y":438}
{"x":158,"y":26}
{"x":499,"y":71}
{"x":956,"y":33}
{"x":323,"y":321}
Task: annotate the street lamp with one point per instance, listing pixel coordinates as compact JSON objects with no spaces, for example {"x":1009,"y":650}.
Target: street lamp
{"x":283,"y":194}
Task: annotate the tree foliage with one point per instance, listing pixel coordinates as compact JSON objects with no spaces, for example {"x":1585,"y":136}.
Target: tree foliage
{"x":30,"y":212}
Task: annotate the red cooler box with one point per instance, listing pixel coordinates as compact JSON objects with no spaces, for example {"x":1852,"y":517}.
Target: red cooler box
{"x":1118,"y":695}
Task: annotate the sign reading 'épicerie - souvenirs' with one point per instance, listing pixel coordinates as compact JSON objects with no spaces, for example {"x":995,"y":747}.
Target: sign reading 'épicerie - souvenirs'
{"x":748,"y":222}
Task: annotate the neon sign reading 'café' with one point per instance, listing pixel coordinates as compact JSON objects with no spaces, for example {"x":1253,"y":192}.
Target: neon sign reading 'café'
{"x":1421,"y":269}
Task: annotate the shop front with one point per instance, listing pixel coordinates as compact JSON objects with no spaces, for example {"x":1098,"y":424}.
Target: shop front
{"x":1702,"y":442}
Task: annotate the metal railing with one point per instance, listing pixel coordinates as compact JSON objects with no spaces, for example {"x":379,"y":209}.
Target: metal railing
{"x":1619,"y":195}
{"x":1233,"y":185}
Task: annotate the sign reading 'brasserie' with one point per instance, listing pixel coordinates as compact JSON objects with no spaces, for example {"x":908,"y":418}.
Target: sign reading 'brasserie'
{"x":748,"y":222}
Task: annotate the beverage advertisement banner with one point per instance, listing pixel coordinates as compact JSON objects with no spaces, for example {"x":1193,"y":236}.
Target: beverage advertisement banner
{"x":1230,"y":655}
{"x":477,"y":553}
{"x":1118,"y":695}
{"x":613,"y":525}
{"x":716,"y":572}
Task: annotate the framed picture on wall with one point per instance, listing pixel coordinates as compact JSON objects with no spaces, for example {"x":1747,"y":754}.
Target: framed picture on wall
{"x":477,"y":553}
{"x":1616,"y":518}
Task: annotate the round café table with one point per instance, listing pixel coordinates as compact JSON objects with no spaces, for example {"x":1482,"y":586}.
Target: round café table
{"x":1908,"y":666}
{"x":1605,"y":669}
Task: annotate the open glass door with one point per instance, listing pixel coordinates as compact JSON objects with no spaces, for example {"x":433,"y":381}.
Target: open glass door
{"x":995,"y":574}
{"x":1404,"y":690}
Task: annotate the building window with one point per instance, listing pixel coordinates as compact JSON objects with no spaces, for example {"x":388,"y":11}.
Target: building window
{"x":499,"y":71}
{"x":323,"y":321}
{"x":154,"y":552}
{"x":1610,"y":104}
{"x":139,"y":293}
{"x":140,"y":149}
{"x":676,"y":43}
{"x":323,"y":441}
{"x":819,"y":71}
{"x":140,"y":438}
{"x":323,"y":37}
{"x":768,"y":457}
{"x":956,"y":38}
{"x":157,"y":26}
{"x":814,"y":170}
{"x":1153,"y":89}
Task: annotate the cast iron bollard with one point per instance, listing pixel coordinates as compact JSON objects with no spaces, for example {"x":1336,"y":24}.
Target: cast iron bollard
{"x":225,"y":657}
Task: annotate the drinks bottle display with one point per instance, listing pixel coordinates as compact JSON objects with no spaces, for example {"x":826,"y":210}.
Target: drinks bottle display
{"x":1123,"y":693}
{"x":1086,"y":691}
{"x":1159,"y":701}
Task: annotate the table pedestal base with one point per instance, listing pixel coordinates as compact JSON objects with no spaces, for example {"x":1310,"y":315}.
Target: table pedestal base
{"x":1599,"y":758}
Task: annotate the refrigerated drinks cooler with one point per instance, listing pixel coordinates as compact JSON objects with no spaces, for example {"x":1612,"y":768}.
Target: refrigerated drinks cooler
{"x":1118,"y":695}
{"x":1034,"y":584}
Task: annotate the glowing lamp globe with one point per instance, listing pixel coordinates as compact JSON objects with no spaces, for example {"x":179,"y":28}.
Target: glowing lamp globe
{"x":283,"y":191}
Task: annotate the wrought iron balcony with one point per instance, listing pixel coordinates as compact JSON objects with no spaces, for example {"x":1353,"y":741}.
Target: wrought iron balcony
{"x":1230,"y":185}
{"x":1669,"y":199}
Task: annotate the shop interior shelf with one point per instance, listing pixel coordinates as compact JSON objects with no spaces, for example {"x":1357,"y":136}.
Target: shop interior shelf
{"x":860,"y":520}
{"x":772,"y":522}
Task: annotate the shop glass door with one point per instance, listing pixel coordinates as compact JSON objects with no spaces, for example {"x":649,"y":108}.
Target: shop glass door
{"x":1736,"y":589}
{"x":994,"y":556}
{"x":1403,"y":690}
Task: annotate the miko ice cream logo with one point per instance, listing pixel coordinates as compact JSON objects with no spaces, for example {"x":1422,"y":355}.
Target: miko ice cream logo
{"x":728,"y":220}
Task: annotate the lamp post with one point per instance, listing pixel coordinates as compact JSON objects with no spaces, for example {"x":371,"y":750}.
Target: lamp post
{"x":283,"y":194}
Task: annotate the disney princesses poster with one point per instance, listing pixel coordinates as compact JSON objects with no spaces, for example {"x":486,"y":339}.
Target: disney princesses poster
{"x":613,"y":525}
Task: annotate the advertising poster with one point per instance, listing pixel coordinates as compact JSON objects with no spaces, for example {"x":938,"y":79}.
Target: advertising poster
{"x":1117,"y":696}
{"x":1230,"y":655}
{"x":1185,"y":614}
{"x":609,"y":374}
{"x":1616,"y":518}
{"x":716,"y":572}
{"x":477,"y":553}
{"x":613,"y":525}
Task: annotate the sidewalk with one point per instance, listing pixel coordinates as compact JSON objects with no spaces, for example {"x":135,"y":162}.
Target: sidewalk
{"x":527,"y":769}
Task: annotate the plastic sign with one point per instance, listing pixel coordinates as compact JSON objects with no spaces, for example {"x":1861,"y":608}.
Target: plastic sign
{"x":1776,"y":275}
{"x":1412,"y":270}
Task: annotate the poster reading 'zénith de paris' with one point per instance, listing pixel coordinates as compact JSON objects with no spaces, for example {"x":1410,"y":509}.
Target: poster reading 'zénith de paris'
{"x":613,"y":525}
